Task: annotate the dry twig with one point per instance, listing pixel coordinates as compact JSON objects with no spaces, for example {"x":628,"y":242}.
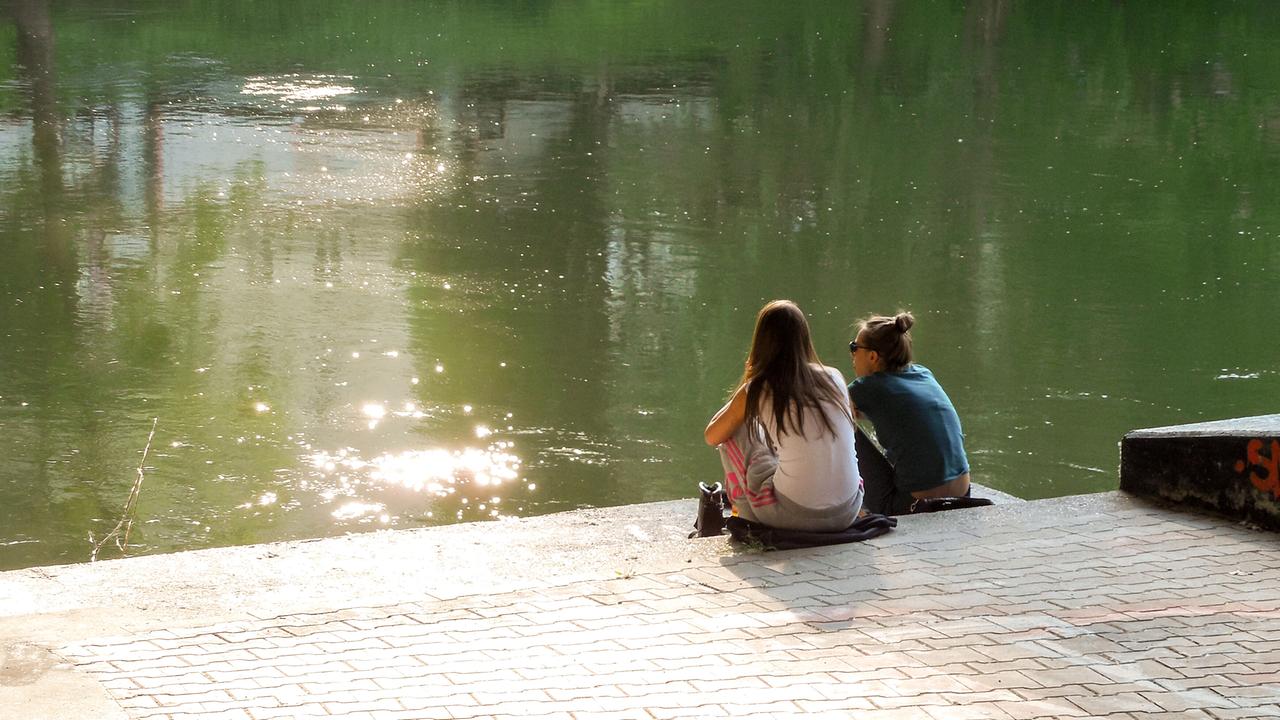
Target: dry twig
{"x":130,"y":506}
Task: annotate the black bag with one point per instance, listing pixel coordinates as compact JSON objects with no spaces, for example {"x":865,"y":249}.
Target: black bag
{"x":712,"y":503}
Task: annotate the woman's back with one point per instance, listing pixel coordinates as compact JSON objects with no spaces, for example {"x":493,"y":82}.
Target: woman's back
{"x":819,"y":468}
{"x":916,"y":423}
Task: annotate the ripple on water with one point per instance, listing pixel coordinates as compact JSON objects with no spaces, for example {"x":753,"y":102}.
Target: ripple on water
{"x":1237,"y":374}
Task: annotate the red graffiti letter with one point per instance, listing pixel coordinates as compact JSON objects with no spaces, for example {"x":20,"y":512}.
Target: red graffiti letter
{"x":1266,"y":476}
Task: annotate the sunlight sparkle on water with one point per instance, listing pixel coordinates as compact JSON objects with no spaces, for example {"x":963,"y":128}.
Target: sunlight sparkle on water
{"x":298,"y":87}
{"x":411,"y":410}
{"x":355,"y":509}
{"x":437,"y":471}
{"x":266,"y":498}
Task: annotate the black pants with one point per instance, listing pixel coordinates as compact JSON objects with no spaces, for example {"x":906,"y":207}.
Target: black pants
{"x":879,"y":481}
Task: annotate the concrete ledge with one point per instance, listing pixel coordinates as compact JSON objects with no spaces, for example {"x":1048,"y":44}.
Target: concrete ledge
{"x":1230,"y":467}
{"x":68,"y":602}
{"x":998,"y":497}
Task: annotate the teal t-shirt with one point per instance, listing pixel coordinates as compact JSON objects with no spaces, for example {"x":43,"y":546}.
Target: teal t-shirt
{"x":916,"y":423}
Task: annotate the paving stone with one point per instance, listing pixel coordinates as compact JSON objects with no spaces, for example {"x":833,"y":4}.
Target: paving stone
{"x":694,"y":711}
{"x":1187,"y":700}
{"x":1009,"y":679}
{"x":1016,"y":651}
{"x":1021,"y":664}
{"x":975,"y":711}
{"x":1046,"y":693}
{"x":1076,"y":675}
{"x":928,"y":671}
{"x":1116,"y":702}
{"x":1263,"y":711}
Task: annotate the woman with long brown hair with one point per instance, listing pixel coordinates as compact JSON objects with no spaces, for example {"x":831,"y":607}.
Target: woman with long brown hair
{"x":786,"y":435}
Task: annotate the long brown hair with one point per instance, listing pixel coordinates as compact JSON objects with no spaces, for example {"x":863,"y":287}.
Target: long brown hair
{"x":781,"y":361}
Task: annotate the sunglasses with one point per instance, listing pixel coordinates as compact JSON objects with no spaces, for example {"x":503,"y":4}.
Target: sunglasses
{"x":853,"y":347}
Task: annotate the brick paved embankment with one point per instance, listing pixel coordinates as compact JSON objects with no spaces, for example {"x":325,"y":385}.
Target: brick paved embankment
{"x":1093,"y":606}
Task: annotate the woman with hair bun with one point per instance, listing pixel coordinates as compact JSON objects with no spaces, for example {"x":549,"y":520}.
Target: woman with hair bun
{"x":914,"y":419}
{"x":786,"y":434}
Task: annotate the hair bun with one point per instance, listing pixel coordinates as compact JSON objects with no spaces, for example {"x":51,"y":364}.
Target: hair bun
{"x":903,"y":321}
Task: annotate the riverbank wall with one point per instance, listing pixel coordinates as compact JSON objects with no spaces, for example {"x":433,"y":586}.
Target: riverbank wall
{"x":1229,"y":467}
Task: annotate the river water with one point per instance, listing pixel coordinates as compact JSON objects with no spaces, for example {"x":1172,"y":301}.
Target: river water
{"x":391,"y":264}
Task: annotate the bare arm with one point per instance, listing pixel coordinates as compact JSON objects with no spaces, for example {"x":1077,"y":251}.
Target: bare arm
{"x":728,"y":419}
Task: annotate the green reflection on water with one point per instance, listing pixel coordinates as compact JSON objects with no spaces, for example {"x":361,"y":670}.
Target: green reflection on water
{"x":377,"y":264}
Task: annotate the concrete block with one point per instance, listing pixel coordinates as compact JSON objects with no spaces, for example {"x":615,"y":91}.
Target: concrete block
{"x":1230,"y":467}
